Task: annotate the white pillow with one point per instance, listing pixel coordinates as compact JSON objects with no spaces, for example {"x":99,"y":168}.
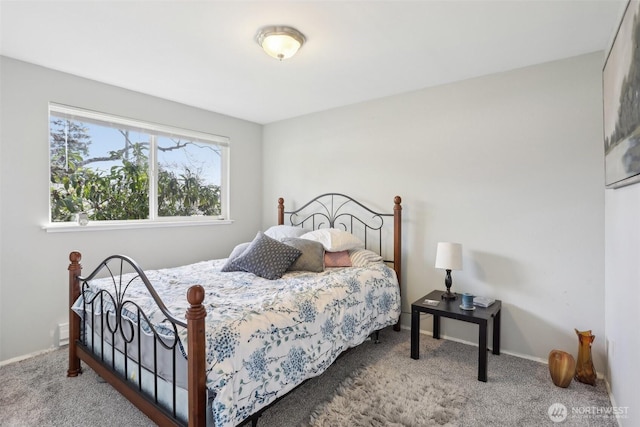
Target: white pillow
{"x":364,"y":257}
{"x":279,"y":232}
{"x":334,"y":240}
{"x":238,"y":250}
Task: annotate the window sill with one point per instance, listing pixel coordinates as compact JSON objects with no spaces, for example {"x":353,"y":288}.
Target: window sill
{"x":66,"y":227}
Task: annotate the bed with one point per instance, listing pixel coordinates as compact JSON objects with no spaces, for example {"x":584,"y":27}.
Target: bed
{"x":245,"y":335}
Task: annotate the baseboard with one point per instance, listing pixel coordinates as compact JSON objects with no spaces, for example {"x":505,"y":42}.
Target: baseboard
{"x":612,"y":399}
{"x":475,"y":344}
{"x":510,"y":353}
{"x":27,"y":356}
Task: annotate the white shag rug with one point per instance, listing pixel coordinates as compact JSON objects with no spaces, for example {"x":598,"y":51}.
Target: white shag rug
{"x":373,"y":398}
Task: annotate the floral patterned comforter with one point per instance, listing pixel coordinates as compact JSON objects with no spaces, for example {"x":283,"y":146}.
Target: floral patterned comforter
{"x":264,"y":337}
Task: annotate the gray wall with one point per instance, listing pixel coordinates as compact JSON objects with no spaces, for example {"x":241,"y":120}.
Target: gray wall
{"x":622,"y":297}
{"x":33,"y":276}
{"x":510,"y":165}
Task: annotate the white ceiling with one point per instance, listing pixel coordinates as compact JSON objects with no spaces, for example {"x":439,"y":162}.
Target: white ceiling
{"x":203,"y":53}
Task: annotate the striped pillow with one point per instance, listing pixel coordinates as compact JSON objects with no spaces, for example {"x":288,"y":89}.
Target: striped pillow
{"x":364,"y":257}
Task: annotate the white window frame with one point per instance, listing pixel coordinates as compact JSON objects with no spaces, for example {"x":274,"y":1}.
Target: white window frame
{"x":155,"y":129}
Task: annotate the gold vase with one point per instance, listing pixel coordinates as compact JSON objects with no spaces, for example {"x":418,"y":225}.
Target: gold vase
{"x":585,"y":372}
{"x":562,"y":367}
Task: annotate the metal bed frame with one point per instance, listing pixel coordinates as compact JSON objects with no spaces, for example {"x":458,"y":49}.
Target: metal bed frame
{"x":330,"y":210}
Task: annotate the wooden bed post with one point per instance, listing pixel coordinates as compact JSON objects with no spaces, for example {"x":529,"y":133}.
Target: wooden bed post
{"x":280,"y":211}
{"x":397,"y":246}
{"x":75,"y":270}
{"x":196,"y":359}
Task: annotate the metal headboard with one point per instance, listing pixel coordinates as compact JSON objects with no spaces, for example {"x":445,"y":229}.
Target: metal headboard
{"x":336,"y":210}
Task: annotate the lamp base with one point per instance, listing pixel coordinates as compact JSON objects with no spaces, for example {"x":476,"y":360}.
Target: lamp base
{"x":448,"y":295}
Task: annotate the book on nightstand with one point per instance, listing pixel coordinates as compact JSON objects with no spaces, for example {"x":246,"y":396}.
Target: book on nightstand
{"x":483,"y":301}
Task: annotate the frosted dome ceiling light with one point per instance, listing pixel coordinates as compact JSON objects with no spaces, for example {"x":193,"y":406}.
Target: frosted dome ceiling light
{"x":280,"y":42}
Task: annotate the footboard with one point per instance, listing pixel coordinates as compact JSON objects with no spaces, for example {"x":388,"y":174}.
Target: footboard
{"x":109,"y":338}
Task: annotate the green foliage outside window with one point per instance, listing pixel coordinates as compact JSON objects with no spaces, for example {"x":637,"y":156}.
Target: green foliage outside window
{"x":122,"y":192}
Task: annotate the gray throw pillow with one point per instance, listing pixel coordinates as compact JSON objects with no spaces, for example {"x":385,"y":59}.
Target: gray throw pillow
{"x":312,"y":258}
{"x":265,"y":257}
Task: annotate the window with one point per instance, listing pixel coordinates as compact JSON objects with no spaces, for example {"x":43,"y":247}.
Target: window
{"x":117,"y":169}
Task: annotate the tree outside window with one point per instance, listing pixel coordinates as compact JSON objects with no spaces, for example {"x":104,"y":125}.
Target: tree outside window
{"x":117,"y":169}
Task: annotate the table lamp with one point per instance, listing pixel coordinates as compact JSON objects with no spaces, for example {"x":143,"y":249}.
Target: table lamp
{"x":449,"y":257}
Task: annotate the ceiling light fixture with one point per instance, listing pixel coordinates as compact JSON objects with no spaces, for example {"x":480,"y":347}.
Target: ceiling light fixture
{"x":280,"y":42}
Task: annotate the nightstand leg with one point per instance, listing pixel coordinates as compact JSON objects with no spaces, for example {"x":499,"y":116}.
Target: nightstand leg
{"x":436,"y":327}
{"x":482,"y":352}
{"x":496,"y":333}
{"x":415,"y":334}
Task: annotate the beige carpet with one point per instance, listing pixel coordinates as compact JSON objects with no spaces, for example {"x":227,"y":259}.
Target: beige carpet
{"x":383,"y":397}
{"x":519,"y":392}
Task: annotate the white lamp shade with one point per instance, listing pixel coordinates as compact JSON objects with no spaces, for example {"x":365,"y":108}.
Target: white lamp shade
{"x":449,"y":256}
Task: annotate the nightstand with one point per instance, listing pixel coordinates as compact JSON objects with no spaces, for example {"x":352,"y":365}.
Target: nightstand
{"x":452,"y":310}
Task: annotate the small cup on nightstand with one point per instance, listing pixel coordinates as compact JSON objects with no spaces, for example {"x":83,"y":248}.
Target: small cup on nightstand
{"x":467,"y":301}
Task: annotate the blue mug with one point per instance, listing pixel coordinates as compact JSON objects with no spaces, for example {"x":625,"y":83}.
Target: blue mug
{"x":467,"y":300}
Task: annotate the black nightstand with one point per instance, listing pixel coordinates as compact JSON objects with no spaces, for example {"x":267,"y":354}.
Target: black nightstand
{"x":452,"y":310}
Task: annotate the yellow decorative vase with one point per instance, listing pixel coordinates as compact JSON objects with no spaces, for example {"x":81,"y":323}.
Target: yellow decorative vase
{"x":585,"y":371}
{"x":562,"y":367}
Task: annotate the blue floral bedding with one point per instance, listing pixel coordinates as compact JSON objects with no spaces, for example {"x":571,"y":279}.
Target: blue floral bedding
{"x":264,"y":337}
